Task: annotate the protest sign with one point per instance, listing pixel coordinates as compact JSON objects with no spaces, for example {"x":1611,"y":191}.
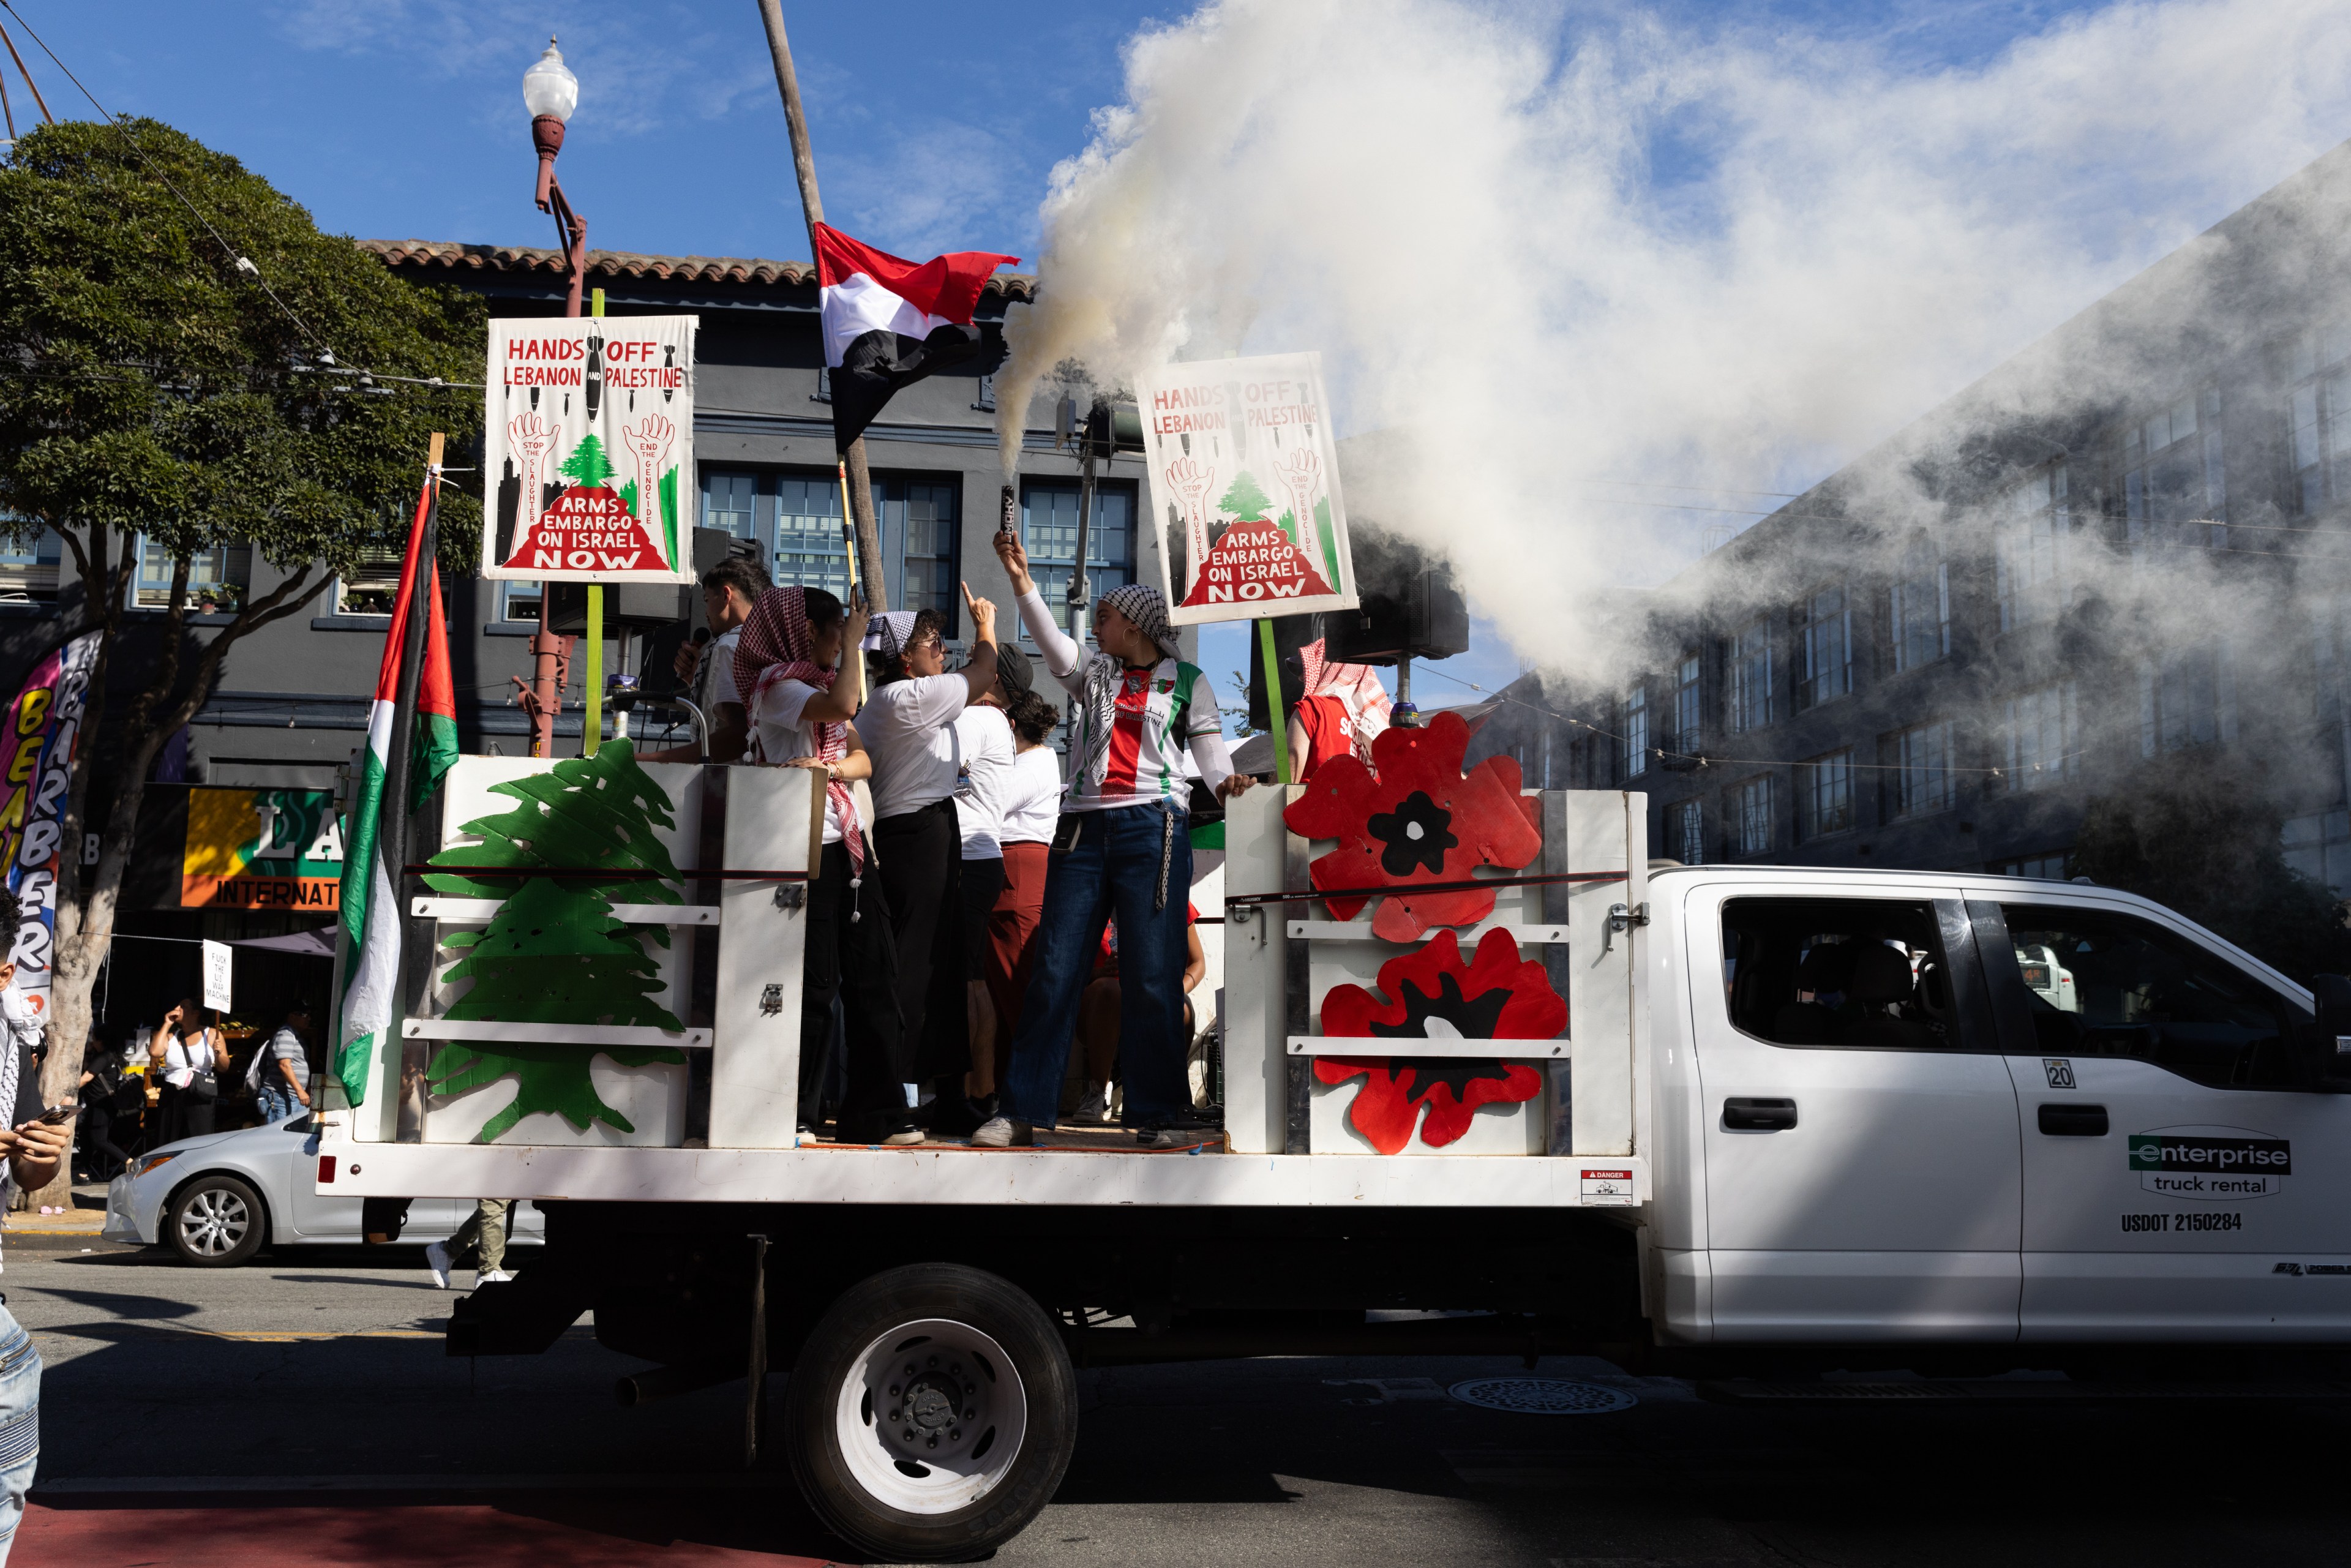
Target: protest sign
{"x":588,"y":450}
{"x":37,"y":753}
{"x":1244,"y":481}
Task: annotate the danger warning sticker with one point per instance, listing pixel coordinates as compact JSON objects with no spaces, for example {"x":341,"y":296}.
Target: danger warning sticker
{"x":1605,"y":1188}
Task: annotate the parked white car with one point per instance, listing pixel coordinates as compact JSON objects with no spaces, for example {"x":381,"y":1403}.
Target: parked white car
{"x":216,"y":1200}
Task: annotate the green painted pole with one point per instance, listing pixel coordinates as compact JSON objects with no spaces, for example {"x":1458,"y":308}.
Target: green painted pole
{"x":1273,"y":713}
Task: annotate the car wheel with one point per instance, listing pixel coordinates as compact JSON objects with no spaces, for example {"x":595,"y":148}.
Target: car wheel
{"x":930,"y":1414}
{"x":215,"y":1222}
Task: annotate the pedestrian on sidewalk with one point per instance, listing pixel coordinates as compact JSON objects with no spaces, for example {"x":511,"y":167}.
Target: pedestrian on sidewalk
{"x":281,"y":1075}
{"x":188,"y":1056}
{"x":35,"y":1149}
{"x":482,"y":1238}
{"x":101,"y":1093}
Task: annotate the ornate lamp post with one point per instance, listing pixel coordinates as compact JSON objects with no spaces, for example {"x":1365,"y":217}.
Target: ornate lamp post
{"x":551,"y":92}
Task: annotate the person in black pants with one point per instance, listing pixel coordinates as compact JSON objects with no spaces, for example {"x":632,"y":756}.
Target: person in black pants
{"x":99,"y":1157}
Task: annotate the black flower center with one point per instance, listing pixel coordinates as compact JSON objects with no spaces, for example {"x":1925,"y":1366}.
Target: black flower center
{"x":1414,"y":834}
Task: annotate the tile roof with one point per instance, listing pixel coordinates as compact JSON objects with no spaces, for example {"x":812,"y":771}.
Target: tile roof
{"x":457,"y":256}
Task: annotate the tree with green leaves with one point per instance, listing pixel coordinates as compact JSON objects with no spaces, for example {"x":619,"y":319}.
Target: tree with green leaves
{"x":1243,"y":499}
{"x":555,"y":953}
{"x":589,"y":466}
{"x":190,"y":359}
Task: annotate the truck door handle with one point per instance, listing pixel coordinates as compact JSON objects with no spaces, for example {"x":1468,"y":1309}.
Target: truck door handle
{"x":2073,"y":1121}
{"x":1739,"y":1116}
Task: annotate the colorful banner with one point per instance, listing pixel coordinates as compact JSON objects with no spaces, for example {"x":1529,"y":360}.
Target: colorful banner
{"x":261,"y":849}
{"x":590,"y":449}
{"x":37,"y":753}
{"x":1244,"y":474}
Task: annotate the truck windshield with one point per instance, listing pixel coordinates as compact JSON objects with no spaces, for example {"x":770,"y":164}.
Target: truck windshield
{"x":1867,"y":972}
{"x":2105,"y":984}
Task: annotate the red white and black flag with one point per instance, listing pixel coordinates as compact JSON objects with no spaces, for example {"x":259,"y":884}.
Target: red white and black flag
{"x":888,"y":322}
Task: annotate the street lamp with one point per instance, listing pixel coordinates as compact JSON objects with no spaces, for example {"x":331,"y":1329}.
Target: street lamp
{"x":551,"y":92}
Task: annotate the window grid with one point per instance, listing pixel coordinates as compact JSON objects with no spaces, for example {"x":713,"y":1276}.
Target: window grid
{"x":1750,"y":678}
{"x":2051,"y":867}
{"x":1048,"y":527}
{"x":2032,"y":562}
{"x":219,"y":575}
{"x":1748,"y":816}
{"x":1923,"y":781}
{"x":1823,"y":649}
{"x":30,"y":570}
{"x":1921,"y":609}
{"x":2319,"y":409}
{"x":2173,"y":474}
{"x":2186,"y":699}
{"x":1690,"y":832}
{"x":2045,"y":744}
{"x":1635,"y":730}
{"x":1687,"y":734}
{"x":1827,"y":785}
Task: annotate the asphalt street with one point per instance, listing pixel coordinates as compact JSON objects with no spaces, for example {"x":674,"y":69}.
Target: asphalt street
{"x":302,"y":1411}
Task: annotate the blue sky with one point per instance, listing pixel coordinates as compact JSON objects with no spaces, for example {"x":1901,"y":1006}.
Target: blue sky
{"x":935,"y":125}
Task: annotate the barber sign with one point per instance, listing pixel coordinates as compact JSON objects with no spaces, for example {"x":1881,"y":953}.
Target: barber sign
{"x":588,"y":450}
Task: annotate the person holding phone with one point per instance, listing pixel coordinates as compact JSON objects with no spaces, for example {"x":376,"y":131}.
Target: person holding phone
{"x":35,"y":1145}
{"x":188,"y":1056}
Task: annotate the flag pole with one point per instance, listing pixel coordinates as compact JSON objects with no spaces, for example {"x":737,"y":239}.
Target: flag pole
{"x":860,"y":481}
{"x":400,"y":770}
{"x":591,"y":717}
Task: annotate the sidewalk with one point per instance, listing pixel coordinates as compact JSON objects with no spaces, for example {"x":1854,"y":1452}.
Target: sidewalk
{"x":87,"y":1218}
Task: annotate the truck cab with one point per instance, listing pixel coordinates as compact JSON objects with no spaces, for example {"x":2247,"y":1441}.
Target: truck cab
{"x":1901,"y":1106}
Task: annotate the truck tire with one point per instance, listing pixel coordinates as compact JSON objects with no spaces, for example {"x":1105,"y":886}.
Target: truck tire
{"x":215,"y":1222}
{"x":930,"y":1414}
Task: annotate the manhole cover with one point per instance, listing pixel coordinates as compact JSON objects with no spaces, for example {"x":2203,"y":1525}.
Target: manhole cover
{"x":1541,"y":1395}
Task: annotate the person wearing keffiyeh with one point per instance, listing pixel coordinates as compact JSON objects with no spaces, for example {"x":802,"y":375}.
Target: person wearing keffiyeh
{"x":1341,"y":710}
{"x":800,"y":710}
{"x":1122,"y":847}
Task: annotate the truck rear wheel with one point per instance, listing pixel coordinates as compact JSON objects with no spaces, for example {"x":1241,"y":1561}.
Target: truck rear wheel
{"x":930,"y":1414}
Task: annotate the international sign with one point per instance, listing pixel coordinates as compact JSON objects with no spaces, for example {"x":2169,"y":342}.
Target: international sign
{"x":588,"y":449}
{"x":1245,"y":485}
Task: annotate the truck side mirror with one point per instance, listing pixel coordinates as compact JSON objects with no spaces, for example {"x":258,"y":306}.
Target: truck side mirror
{"x":2330,"y":1052}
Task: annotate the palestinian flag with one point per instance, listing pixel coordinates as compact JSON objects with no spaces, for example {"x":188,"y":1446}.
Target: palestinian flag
{"x":412,"y":743}
{"x":888,"y":322}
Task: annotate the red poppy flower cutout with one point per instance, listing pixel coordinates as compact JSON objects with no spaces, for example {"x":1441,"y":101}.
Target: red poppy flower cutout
{"x":1415,"y":817}
{"x":1497,"y":996}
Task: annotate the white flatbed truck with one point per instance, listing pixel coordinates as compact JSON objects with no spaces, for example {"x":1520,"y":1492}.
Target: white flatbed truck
{"x":1797,"y":1114}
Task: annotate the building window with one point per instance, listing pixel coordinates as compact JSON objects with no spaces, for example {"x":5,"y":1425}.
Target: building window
{"x":985,"y":402}
{"x":2172,"y":471}
{"x":369,"y":589}
{"x":518,"y":598}
{"x":2320,"y":409}
{"x":1049,"y":528}
{"x":29,"y":569}
{"x":1688,"y":820}
{"x":919,"y":536}
{"x":217,"y":578}
{"x":1750,"y":678}
{"x":1637,"y":732}
{"x":2045,"y":742}
{"x":2032,"y":553}
{"x":2319,"y":846}
{"x":1921,"y":607}
{"x":2050,"y":867}
{"x":809,"y":544}
{"x":1688,"y":735}
{"x":1921,"y":759}
{"x":1826,"y":792}
{"x":1823,"y":649}
{"x":1747,"y":816}
{"x":2186,"y":699}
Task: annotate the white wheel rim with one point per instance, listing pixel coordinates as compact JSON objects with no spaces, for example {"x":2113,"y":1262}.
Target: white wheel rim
{"x":962,"y":1402}
{"x":214,"y":1222}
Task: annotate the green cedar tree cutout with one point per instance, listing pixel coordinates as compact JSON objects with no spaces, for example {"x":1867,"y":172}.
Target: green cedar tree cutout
{"x":1244,"y":499}
{"x":554,"y":952}
{"x":588,"y":467}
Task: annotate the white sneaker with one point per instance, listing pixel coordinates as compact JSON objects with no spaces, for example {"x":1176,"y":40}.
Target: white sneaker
{"x":437,"y":1261}
{"x":492,"y":1277}
{"x":1004,"y":1132}
{"x":1096,"y":1106}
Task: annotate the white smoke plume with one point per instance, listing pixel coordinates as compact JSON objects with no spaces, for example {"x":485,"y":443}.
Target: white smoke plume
{"x":1545,"y":250}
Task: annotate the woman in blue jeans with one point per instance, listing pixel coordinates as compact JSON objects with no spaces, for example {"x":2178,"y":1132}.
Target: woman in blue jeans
{"x":1122,"y":846}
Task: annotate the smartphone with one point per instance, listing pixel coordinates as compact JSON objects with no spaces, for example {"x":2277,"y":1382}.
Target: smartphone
{"x":57,"y":1113}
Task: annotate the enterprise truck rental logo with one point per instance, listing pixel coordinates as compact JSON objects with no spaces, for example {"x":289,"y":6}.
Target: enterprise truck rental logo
{"x":2213,"y":1165}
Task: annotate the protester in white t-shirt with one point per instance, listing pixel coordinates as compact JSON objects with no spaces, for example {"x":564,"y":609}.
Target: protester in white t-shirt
{"x":801,"y":697}
{"x":909,"y":727}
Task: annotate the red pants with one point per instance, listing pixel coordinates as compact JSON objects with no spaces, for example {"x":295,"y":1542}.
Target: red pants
{"x":1012,"y":933}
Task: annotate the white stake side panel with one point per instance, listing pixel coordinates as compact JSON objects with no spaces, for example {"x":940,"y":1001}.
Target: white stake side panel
{"x":755,"y":1071}
{"x":1045,"y":1178}
{"x":1256,"y":1077}
{"x":1607,"y":830}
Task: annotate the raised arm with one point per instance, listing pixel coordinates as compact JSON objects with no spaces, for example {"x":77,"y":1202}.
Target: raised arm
{"x":1063,"y":655}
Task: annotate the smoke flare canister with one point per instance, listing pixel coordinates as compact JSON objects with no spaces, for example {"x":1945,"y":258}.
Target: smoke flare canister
{"x":1007,"y":518}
